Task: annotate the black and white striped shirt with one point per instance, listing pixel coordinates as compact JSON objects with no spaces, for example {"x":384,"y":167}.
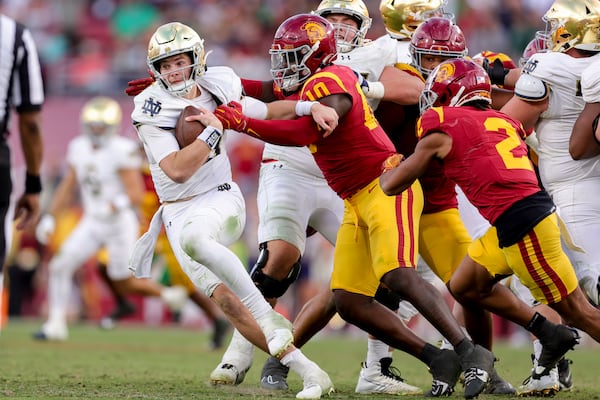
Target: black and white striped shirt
{"x":20,"y":73}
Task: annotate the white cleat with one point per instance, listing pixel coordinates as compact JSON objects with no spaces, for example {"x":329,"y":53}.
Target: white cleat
{"x":542,"y":386}
{"x":316,"y":383}
{"x":52,"y":333}
{"x":174,"y":297}
{"x":228,"y":374}
{"x":373,"y":380}
{"x":278,"y":332}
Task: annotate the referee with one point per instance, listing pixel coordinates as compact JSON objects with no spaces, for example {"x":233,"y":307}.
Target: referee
{"x":20,"y":88}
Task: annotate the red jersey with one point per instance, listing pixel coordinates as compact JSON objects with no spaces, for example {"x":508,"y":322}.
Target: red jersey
{"x":352,"y":156}
{"x":399,"y":123}
{"x":488,"y":159}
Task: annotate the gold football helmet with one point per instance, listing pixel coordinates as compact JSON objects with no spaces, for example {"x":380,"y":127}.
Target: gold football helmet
{"x":571,"y":24}
{"x":100,"y":118}
{"x":347,"y":37}
{"x":172,"y":39}
{"x":402,"y":17}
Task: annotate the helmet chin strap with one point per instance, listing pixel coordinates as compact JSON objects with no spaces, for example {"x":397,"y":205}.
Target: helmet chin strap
{"x":456,"y":99}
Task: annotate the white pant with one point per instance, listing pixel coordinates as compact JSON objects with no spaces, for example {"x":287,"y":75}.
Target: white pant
{"x":579,"y":208}
{"x":288,"y":200}
{"x":117,"y":233}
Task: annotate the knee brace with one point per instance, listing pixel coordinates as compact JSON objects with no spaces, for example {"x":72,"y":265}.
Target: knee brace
{"x":388,"y":298}
{"x":269,"y":287}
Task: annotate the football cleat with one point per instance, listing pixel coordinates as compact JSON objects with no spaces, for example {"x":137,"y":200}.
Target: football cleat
{"x":497,"y":385}
{"x":316,"y":383}
{"x":563,"y":339}
{"x":228,"y":374}
{"x":541,"y":386}
{"x":52,"y":333}
{"x":565,"y":379}
{"x":445,"y":370}
{"x":477,"y":367}
{"x":381,"y":377}
{"x":274,"y":375}
{"x":591,"y":288}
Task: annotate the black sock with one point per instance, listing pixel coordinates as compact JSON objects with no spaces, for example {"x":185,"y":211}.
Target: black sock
{"x":465,"y":346}
{"x":538,"y":325}
{"x":429,"y":353}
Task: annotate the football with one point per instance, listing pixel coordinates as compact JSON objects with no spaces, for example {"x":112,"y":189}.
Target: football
{"x":185,"y":131}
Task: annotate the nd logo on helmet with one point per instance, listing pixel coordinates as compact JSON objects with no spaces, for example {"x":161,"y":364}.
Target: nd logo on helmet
{"x":314,"y":31}
{"x":445,"y":71}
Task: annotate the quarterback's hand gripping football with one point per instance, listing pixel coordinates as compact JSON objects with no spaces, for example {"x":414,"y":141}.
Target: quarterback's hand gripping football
{"x":137,"y":86}
{"x":232,"y":116}
{"x":45,"y":228}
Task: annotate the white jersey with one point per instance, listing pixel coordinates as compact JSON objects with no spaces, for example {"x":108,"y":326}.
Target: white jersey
{"x":97,"y":170}
{"x":396,"y":51}
{"x":590,"y":83}
{"x":155,"y":107}
{"x":563,"y":73}
{"x":368,"y":60}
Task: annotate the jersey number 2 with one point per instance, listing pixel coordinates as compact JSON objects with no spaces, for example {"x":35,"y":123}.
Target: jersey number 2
{"x":507,"y":147}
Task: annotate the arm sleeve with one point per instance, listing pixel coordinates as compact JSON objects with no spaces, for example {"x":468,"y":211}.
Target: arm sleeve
{"x":252,"y":88}
{"x":298,"y":132}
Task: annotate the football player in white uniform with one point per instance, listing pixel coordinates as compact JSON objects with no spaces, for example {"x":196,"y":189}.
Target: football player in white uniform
{"x":202,"y":209}
{"x":106,"y":168}
{"x":548,"y":98}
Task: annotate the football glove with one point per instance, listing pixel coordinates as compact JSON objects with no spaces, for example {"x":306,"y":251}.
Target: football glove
{"x":137,"y":86}
{"x":231,"y":116}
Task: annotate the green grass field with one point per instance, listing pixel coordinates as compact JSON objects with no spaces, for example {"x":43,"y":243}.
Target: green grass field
{"x":138,"y":362}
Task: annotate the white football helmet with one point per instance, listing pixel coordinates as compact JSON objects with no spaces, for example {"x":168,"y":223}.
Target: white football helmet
{"x":100,"y":119}
{"x":172,"y":39}
{"x":347,"y":36}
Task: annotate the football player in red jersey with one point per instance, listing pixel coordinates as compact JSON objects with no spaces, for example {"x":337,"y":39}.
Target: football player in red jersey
{"x":377,"y":239}
{"x":483,"y":152}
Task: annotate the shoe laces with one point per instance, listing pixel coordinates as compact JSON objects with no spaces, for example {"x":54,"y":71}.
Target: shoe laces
{"x":392,"y":372}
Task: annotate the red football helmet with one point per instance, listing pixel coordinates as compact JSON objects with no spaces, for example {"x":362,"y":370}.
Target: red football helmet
{"x":437,"y":36}
{"x":302,"y":44}
{"x":538,"y":44}
{"x":454,"y":83}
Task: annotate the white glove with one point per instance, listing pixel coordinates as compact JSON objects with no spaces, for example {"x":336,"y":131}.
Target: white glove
{"x":45,"y":228}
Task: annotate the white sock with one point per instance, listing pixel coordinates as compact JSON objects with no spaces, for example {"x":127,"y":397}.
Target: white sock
{"x":537,"y":350}
{"x":376,"y":350}
{"x":446,"y":345}
{"x":297,"y":362}
{"x":240,"y":351}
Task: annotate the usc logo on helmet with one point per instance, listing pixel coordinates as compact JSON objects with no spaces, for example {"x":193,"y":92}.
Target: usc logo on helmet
{"x":314,"y":31}
{"x":445,"y":71}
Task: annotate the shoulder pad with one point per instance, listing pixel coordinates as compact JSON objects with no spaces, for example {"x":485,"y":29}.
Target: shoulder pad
{"x":530,"y":88}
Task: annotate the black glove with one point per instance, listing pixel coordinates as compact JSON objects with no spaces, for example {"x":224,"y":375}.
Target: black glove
{"x":495,"y":71}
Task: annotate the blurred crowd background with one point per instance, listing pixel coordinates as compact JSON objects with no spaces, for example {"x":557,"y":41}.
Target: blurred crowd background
{"x":94,"y":47}
{"x":87,"y":46}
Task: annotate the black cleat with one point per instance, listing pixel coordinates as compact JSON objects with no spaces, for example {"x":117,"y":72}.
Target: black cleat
{"x":477,"y":365}
{"x":563,"y":339}
{"x":497,"y":385}
{"x":274,"y":375}
{"x":564,"y":374}
{"x":445,"y":370}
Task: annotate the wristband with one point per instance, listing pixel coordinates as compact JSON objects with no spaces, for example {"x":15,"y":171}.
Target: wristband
{"x":33,"y":184}
{"x":375,"y":90}
{"x":211,"y":136}
{"x":303,"y":107}
{"x":121,"y":202}
{"x":595,"y":128}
